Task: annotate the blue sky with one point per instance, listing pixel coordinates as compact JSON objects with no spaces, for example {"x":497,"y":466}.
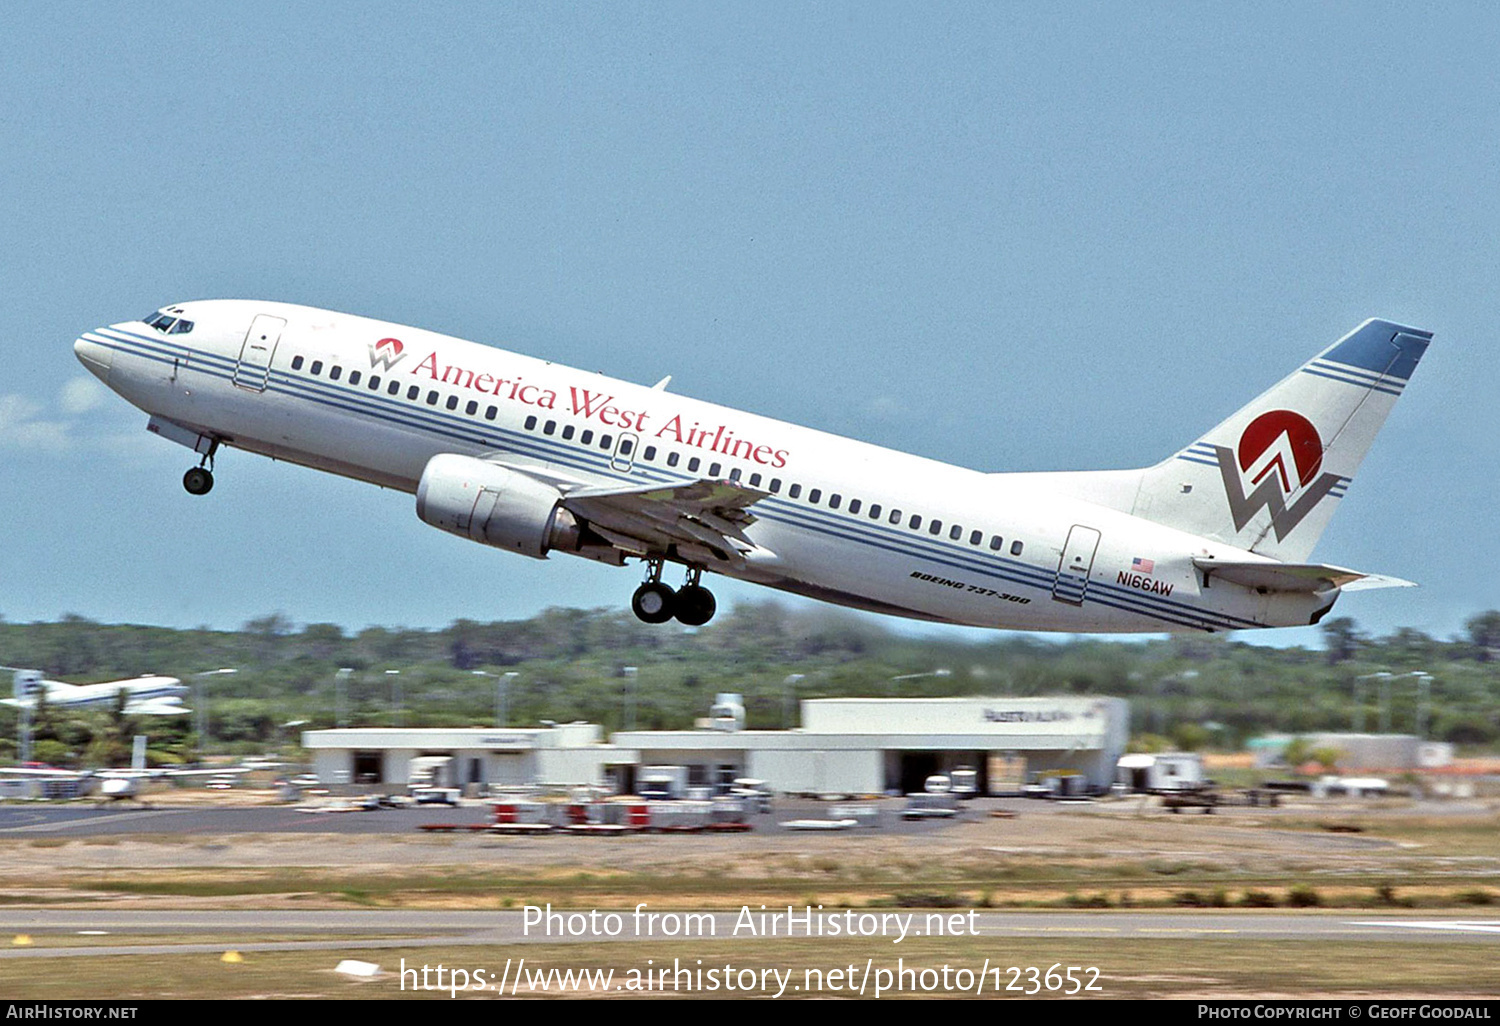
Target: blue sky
{"x":1015,"y":237}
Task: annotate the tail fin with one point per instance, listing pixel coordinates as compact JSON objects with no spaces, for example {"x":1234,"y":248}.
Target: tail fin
{"x":28,"y":684}
{"x":1269,"y":478}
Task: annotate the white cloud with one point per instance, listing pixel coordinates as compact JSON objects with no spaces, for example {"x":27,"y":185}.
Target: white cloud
{"x":22,"y":427}
{"x":81,"y":394}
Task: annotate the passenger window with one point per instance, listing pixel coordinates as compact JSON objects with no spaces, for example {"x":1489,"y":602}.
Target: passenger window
{"x":775,"y":485}
{"x":317,"y":367}
{"x":955,"y":533}
{"x":549,"y":427}
{"x":489,"y":412}
{"x":694,"y":464}
{"x":413,"y":392}
{"x":374,"y":383}
{"x":672,"y":458}
{"x":875,"y":512}
{"x":794,"y":491}
{"x":452,"y":402}
{"x":713,"y":470}
{"x":915,"y":523}
{"x":335,"y":372}
{"x":650,"y":452}
{"x":531,"y":423}
{"x":587,"y":438}
{"x":814,"y":495}
{"x":976,"y":537}
{"x":296,"y":363}
{"x":394,"y":388}
{"x":754,"y":480}
{"x":354,"y":377}
{"x":935,"y":528}
{"x":854,"y":505}
{"x":568,"y":431}
{"x":626,"y":446}
{"x":1015,"y":548}
{"x":432,"y":398}
{"x":995,"y":542}
{"x":605,"y":441}
{"x":834,"y":501}
{"x":734,"y":475}
{"x":895,"y":516}
{"x":472,"y":408}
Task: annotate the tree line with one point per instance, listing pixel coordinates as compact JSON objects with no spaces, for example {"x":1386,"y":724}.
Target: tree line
{"x":604,"y":666}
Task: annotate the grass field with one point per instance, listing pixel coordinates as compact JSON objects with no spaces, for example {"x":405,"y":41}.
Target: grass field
{"x":1140,"y":969}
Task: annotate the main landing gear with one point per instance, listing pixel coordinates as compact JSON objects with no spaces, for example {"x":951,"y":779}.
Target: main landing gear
{"x":655,"y":602}
{"x":200,"y":479}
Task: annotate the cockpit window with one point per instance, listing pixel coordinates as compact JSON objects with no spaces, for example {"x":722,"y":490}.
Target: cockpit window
{"x":167,"y":324}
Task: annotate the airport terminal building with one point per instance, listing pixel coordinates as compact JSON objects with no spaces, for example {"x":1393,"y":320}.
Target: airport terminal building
{"x":845,"y":746}
{"x":877,"y":745}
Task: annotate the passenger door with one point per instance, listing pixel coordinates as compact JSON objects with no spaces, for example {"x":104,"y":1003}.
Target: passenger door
{"x":254,"y":367}
{"x":1073,"y":569}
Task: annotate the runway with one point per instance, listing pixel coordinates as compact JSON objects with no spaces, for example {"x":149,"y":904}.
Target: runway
{"x":352,"y":929}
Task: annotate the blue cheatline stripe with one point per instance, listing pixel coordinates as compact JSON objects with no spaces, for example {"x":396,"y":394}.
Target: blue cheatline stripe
{"x":1194,"y":459}
{"x":1019,"y":573}
{"x":378,"y":404}
{"x":1350,"y":381}
{"x":1360,"y":374}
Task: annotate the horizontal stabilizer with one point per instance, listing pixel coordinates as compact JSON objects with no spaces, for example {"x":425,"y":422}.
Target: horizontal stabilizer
{"x":1293,"y":576}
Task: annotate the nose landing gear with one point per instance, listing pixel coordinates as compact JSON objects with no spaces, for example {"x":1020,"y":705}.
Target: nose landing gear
{"x":200,"y":479}
{"x":654,"y":602}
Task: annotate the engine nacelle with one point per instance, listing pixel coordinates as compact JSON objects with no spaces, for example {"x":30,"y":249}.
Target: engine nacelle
{"x":495,"y":506}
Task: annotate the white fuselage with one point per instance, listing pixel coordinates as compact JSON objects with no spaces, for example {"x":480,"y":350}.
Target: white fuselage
{"x":1060,"y":564}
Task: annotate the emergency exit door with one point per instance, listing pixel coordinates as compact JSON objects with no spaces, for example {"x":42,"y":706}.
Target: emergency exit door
{"x":254,"y":367}
{"x":1073,"y":569}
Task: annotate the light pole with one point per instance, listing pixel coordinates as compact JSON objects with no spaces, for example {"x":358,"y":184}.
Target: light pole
{"x":397,"y":714}
{"x":1424,"y":702}
{"x":341,"y":696}
{"x":1424,"y":699}
{"x":1359,"y":698}
{"x":630,"y":673}
{"x":502,"y":693}
{"x":200,"y":705}
{"x":789,"y":697}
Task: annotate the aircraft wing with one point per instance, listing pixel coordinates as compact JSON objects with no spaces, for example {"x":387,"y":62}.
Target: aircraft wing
{"x":1294,"y":576}
{"x":648,"y":520}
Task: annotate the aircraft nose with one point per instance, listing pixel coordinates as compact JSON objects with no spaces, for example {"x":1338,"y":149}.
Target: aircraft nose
{"x":96,"y":357}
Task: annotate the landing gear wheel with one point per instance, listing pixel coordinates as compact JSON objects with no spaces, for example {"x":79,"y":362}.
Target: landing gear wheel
{"x":653,"y":602}
{"x":695,"y":605}
{"x":198,"y":481}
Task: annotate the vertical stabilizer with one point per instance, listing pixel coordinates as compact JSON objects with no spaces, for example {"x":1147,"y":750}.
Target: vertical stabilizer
{"x":1269,"y":478}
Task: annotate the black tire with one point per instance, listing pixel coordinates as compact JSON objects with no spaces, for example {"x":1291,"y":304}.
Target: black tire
{"x":695,"y":606}
{"x":653,"y":602}
{"x":198,"y":481}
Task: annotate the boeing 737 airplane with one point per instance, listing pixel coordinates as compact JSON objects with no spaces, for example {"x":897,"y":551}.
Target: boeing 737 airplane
{"x":144,"y":696}
{"x":535,"y":458}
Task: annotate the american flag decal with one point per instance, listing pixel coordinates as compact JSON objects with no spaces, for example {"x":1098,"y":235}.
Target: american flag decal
{"x":1142,"y":566}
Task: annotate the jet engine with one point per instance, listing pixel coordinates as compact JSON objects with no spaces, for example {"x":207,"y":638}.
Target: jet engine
{"x":497,"y":506}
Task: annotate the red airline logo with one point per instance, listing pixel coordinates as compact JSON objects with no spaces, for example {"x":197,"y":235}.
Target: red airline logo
{"x":386,"y":353}
{"x":1269,"y":442}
